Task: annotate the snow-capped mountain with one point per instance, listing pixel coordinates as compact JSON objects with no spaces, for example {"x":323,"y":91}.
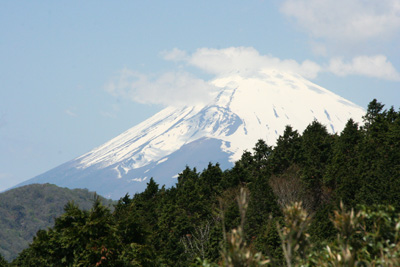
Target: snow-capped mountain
{"x":244,"y":110}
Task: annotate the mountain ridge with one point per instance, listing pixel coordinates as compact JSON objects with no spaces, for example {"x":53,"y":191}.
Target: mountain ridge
{"x":27,"y":209}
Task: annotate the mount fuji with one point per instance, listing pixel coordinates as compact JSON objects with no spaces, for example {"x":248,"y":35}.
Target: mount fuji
{"x":245,"y":109}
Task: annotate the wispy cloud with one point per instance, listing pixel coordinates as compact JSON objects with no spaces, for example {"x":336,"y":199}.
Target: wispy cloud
{"x":71,"y":112}
{"x":244,"y":60}
{"x":375,"y":66}
{"x":183,"y":88}
{"x":354,"y":21}
{"x":171,"y":88}
{"x":247,"y":60}
{"x":175,"y":55}
{"x":110,"y":111}
{"x":342,"y":27}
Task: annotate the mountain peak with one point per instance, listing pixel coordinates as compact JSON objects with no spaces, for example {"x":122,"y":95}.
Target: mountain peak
{"x":244,"y":109}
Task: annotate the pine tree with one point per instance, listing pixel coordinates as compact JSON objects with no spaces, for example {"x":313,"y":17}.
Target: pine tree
{"x":380,"y":157}
{"x":316,"y":145}
{"x":342,"y":175}
{"x":286,"y":151}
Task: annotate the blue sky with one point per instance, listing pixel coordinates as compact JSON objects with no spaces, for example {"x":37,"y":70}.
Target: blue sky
{"x":74,"y":74}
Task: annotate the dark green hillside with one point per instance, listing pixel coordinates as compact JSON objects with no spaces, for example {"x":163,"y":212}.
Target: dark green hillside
{"x":25,"y":210}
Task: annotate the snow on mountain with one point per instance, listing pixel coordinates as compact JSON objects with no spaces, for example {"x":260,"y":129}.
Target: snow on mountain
{"x":246,"y":108}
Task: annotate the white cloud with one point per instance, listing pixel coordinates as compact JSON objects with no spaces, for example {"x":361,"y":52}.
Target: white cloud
{"x":374,"y":66}
{"x":171,"y":88}
{"x":344,"y":20}
{"x":248,"y":61}
{"x":244,"y":60}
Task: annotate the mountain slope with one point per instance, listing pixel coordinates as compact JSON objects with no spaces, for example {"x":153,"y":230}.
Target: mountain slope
{"x":27,"y":209}
{"x":244,"y":110}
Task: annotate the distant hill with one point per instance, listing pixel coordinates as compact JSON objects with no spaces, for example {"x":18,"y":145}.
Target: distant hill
{"x":25,"y":210}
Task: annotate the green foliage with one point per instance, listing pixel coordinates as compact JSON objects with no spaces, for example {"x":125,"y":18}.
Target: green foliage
{"x":27,"y":209}
{"x":84,"y":238}
{"x":287,"y":151}
{"x":3,"y":262}
{"x":294,"y":236}
{"x":235,"y":250}
{"x":342,"y":174}
{"x":379,"y":164}
{"x":316,"y":146}
{"x":369,"y":237}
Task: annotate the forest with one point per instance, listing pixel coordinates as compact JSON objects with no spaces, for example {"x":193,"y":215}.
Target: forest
{"x":314,"y":199}
{"x":27,"y":209}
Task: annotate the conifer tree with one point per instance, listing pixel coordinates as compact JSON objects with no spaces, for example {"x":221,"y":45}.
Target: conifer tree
{"x":379,"y":157}
{"x":316,"y":145}
{"x":286,"y":151}
{"x":342,"y":175}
